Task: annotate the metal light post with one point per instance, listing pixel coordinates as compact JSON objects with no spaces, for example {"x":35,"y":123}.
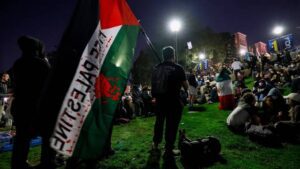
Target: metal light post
{"x":176,"y":52}
{"x":175,"y":26}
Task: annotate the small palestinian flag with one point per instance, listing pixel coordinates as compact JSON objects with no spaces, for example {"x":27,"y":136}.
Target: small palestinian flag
{"x":225,"y":92}
{"x":94,"y":60}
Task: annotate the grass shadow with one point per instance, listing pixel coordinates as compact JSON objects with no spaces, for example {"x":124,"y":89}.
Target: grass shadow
{"x":201,"y":163}
{"x":196,"y":109}
{"x":153,"y":161}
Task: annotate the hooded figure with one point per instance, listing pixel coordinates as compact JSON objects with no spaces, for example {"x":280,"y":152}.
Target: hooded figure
{"x":30,"y":73}
{"x":224,"y":88}
{"x":274,"y":107}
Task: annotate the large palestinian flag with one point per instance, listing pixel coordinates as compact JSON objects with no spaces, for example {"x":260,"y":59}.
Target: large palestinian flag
{"x":94,"y":60}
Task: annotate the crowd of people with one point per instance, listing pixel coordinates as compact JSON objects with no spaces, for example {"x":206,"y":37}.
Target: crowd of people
{"x":254,"y":110}
{"x":263,"y":112}
{"x":136,"y":101}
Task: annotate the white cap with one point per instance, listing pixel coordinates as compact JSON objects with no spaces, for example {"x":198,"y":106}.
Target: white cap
{"x":293,"y":96}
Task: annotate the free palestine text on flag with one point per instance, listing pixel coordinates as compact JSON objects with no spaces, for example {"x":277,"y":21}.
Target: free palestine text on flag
{"x":99,"y":78}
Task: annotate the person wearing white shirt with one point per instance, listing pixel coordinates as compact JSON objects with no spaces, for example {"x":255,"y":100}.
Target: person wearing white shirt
{"x":244,"y":112}
{"x":236,"y":66}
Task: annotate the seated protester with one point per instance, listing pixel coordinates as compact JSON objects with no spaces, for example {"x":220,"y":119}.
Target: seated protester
{"x":244,"y":112}
{"x":240,"y":76}
{"x":290,"y":130}
{"x":274,"y":77}
{"x":200,"y":80}
{"x":137,"y":100}
{"x":147,"y":100}
{"x":3,"y":93}
{"x":283,"y":79}
{"x":274,"y":107}
{"x":206,"y":89}
{"x":260,"y":90}
{"x":293,"y":70}
{"x":295,"y":87}
{"x":121,"y":114}
{"x":237,"y":89}
{"x":192,"y":87}
{"x":127,"y":104}
{"x":244,"y":91}
{"x":214,"y":94}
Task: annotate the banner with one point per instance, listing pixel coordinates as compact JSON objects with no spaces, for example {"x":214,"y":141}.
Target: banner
{"x":282,"y":43}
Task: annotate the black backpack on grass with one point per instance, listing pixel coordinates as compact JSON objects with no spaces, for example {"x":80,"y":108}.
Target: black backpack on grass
{"x":264,"y":135}
{"x":198,"y":153}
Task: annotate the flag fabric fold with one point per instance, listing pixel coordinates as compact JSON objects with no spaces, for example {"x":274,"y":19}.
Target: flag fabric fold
{"x":224,"y":89}
{"x":97,"y":52}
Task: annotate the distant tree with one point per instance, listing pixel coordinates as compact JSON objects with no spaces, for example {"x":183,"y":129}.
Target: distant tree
{"x":213,"y":44}
{"x":143,"y":66}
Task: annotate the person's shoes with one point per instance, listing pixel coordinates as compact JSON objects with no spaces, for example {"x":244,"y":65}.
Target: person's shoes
{"x":172,"y":153}
{"x":29,"y":166}
{"x":176,"y":152}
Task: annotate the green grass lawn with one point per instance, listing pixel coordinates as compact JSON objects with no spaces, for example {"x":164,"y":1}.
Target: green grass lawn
{"x":132,"y":143}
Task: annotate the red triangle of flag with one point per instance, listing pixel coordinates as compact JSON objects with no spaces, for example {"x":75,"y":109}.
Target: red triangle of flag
{"x":116,"y":12}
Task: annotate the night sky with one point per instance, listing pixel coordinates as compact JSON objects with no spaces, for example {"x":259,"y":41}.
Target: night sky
{"x":47,"y":19}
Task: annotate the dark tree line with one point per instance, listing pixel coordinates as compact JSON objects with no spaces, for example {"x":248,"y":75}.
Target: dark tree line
{"x":203,"y":40}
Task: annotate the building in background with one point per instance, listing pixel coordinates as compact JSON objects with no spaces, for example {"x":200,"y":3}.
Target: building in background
{"x":240,"y":43}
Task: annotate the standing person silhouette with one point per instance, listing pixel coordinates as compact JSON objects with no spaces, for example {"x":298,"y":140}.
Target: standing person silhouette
{"x":30,"y":73}
{"x":169,"y":105}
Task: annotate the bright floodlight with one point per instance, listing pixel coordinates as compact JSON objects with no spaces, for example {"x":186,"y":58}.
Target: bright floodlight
{"x":175,"y":25}
{"x":201,"y":56}
{"x":243,"y":51}
{"x":278,"y":30}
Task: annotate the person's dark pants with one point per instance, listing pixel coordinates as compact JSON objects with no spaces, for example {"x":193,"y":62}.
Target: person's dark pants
{"x":21,"y":147}
{"x":47,"y":153}
{"x":169,"y":111}
{"x":21,"y":144}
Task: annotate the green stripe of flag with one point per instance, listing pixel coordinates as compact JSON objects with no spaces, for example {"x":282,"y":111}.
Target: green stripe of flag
{"x":115,"y":70}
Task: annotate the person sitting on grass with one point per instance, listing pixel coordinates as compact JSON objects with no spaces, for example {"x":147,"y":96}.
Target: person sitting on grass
{"x":261,"y":89}
{"x":205,"y":91}
{"x":147,"y":99}
{"x":274,"y":108}
{"x":244,"y":112}
{"x":237,"y":89}
{"x":290,"y":130}
{"x":192,"y":87}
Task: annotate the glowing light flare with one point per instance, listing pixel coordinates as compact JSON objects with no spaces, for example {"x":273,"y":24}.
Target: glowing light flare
{"x":278,"y":30}
{"x":243,"y":51}
{"x":201,"y":56}
{"x":175,"y":25}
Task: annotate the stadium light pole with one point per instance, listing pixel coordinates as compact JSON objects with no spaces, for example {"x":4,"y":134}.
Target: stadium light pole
{"x":175,"y":26}
{"x":278,"y":30}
